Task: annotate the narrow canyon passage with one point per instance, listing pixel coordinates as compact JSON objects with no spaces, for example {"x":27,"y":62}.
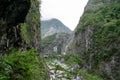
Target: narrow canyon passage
{"x":60,"y":40}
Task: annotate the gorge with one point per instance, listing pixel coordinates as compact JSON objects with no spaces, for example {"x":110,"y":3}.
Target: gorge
{"x":92,"y":50}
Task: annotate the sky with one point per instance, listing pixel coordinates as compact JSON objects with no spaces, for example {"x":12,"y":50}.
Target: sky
{"x":67,"y":11}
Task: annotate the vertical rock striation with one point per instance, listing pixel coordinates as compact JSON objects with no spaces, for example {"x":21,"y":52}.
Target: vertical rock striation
{"x":97,"y":38}
{"x":30,"y":29}
{"x":19,"y":25}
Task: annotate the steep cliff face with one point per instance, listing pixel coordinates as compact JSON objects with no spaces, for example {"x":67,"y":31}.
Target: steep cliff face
{"x":12,"y":13}
{"x":97,"y":38}
{"x":20,"y":31}
{"x":30,"y":29}
{"x":54,"y":44}
{"x":18,"y":20}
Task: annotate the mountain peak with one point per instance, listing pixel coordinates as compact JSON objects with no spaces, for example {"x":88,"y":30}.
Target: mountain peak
{"x":53,"y":26}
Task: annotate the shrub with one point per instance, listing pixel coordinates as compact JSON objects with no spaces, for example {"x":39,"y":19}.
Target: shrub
{"x":22,"y":66}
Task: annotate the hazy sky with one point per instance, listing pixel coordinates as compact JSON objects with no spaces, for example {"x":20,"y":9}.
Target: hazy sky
{"x":67,"y":11}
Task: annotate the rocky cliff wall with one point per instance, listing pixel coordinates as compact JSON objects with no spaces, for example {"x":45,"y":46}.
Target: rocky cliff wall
{"x":19,"y":25}
{"x":97,"y":38}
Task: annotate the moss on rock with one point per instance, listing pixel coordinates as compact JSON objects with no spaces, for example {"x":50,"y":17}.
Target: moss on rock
{"x":97,"y":38}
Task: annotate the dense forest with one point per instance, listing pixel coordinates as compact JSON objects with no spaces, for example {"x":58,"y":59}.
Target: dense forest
{"x":31,"y":49}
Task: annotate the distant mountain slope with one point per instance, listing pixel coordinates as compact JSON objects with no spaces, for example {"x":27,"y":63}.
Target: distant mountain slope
{"x":54,"y":44}
{"x":52,"y":26}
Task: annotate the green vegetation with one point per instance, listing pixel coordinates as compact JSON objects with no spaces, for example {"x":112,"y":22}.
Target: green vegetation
{"x":67,"y":68}
{"x":73,"y":59}
{"x":88,"y":76}
{"x":22,"y":66}
{"x":53,"y":44}
{"x":25,"y":32}
{"x":52,"y":26}
{"x":31,"y":26}
{"x":47,"y":42}
{"x":104,"y":21}
{"x":99,"y":15}
{"x":20,"y":29}
{"x":107,"y":33}
{"x":27,"y":65}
